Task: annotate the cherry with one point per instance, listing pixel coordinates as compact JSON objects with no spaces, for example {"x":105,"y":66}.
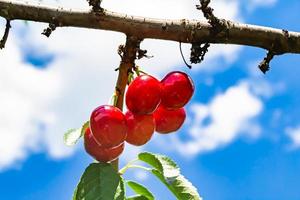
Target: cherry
{"x":108,"y":126}
{"x":98,"y":152}
{"x":143,"y":95}
{"x":168,"y":121}
{"x":140,"y":128}
{"x":177,"y":90}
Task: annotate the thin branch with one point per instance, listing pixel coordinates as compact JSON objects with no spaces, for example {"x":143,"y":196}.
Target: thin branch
{"x":198,"y":51}
{"x":128,"y":53}
{"x":47,"y":31}
{"x":209,"y":15}
{"x":96,"y":5}
{"x":182,"y":56}
{"x":128,"y":58}
{"x":264,"y":65}
{"x":186,"y":31}
{"x":5,"y":35}
{"x":143,"y":54}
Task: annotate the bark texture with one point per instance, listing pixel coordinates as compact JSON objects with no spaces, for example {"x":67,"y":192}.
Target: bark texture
{"x":186,"y":31}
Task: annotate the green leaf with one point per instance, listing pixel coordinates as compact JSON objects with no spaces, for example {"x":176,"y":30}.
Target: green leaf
{"x":99,"y":182}
{"x":168,"y":173}
{"x":120,"y":193}
{"x":140,"y":189}
{"x":72,"y":136}
{"x":163,"y":164}
{"x":138,"y":197}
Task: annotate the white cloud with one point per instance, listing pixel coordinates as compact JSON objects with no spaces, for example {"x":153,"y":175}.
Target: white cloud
{"x":24,"y":93}
{"x":259,"y":85}
{"x":294,"y":135}
{"x":166,"y":53}
{"x":174,"y":9}
{"x":253,"y":4}
{"x":141,"y":175}
{"x":130,"y":153}
{"x":37,"y":106}
{"x":229,"y":114}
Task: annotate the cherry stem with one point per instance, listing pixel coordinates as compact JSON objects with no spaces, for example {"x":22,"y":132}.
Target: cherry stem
{"x":123,"y":170}
{"x":143,"y":72}
{"x":137,"y":70}
{"x":127,"y":63}
{"x":114,"y":99}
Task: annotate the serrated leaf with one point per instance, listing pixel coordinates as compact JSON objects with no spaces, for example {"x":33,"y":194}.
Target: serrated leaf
{"x":180,"y":187}
{"x":167,"y":171}
{"x":163,"y":164}
{"x":72,"y":136}
{"x":120,"y":193}
{"x":140,"y":189}
{"x":138,"y":197}
{"x":99,"y":182}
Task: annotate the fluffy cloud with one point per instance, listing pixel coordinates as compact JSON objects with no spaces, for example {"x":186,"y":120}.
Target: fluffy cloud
{"x":252,"y":4}
{"x":221,"y":121}
{"x":38,"y":105}
{"x":23,"y":97}
{"x":261,"y":86}
{"x":294,"y":135}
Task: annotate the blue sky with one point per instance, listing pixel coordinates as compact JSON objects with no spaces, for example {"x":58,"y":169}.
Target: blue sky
{"x":241,"y":139}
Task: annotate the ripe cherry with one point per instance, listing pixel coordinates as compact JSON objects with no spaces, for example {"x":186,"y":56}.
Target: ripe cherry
{"x":100,"y":153}
{"x":143,"y":95}
{"x":108,"y":126}
{"x":167,"y":121}
{"x":177,"y":90}
{"x":140,"y":128}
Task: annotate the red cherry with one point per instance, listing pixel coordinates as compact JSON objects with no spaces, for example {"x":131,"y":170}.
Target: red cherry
{"x":140,"y":128}
{"x":108,"y":126}
{"x":177,"y":90}
{"x":167,"y":121}
{"x":143,"y":95}
{"x":100,"y":153}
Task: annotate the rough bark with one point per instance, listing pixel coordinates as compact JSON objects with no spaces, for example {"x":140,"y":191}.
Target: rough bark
{"x":186,"y":31}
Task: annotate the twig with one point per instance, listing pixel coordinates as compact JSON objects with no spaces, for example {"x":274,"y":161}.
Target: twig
{"x":128,"y":56}
{"x":208,"y":13}
{"x":264,"y":65}
{"x":143,"y":54}
{"x":198,"y":51}
{"x":5,"y":35}
{"x":181,"y":53}
{"x":96,"y":5}
{"x":47,"y":31}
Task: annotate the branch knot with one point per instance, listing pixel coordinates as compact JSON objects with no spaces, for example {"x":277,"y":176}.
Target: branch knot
{"x":217,"y":24}
{"x":264,"y":65}
{"x":51,"y":27}
{"x":198,"y":51}
{"x":95,"y":5}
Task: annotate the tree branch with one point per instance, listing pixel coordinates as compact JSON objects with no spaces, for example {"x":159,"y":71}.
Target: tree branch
{"x":128,"y":54}
{"x":187,"y":31}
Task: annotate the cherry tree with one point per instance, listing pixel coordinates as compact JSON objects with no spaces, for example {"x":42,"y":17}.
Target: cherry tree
{"x":103,"y":179}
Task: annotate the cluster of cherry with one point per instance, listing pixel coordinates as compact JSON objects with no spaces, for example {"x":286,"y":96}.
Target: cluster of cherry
{"x":152,"y":106}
